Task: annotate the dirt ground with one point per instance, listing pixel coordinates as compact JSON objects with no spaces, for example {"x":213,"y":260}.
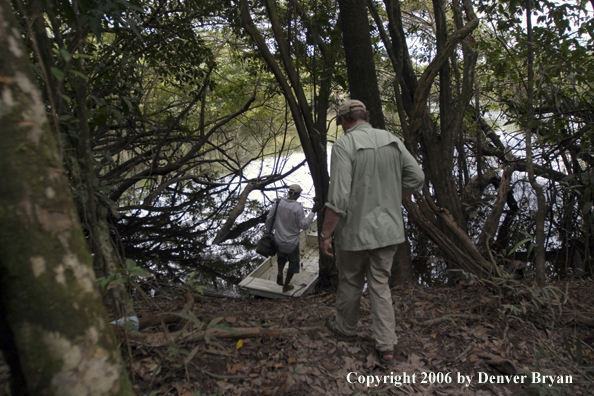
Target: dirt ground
{"x":473,"y":339}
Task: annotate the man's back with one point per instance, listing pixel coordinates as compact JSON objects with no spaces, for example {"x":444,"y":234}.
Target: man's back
{"x":369,"y":169}
{"x":290,"y":220}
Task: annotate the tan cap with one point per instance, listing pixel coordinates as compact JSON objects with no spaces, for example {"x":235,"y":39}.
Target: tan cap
{"x":350,"y":105}
{"x":295,"y":188}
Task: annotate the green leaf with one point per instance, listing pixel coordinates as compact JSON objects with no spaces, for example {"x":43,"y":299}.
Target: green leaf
{"x":200,"y":288}
{"x":137,"y":271}
{"x":172,"y":351}
{"x":83,"y":56}
{"x":79,"y":74}
{"x":65,"y":54}
{"x":67,"y":98}
{"x":223,"y":327}
{"x":57,"y":73}
{"x":191,"y":317}
{"x":116,"y":282}
{"x":104,"y":281}
{"x":523,"y":241}
{"x":214,"y":322}
{"x":65,"y":117}
{"x":130,"y":325}
{"x":530,"y":248}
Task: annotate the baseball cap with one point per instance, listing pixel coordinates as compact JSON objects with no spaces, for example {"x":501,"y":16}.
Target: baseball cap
{"x":295,"y":188}
{"x":350,"y":105}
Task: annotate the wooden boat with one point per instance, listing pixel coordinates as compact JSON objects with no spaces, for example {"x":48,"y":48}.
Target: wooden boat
{"x":262,"y":281}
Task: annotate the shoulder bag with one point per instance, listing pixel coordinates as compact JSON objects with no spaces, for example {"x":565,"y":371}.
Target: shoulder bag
{"x":266,"y":245}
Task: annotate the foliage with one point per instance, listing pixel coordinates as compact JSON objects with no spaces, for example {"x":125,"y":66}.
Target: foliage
{"x":161,"y":155}
{"x":563,"y":91}
{"x":161,"y":107}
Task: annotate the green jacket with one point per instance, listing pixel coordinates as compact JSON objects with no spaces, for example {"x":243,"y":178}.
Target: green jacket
{"x":369,"y":168}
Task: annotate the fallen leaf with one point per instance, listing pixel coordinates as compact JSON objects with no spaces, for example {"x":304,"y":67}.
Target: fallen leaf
{"x":235,"y":368}
{"x":291,"y":360}
{"x":239,"y":344}
{"x":192,"y":355}
{"x":473,"y":357}
{"x":370,"y":360}
{"x":328,"y":366}
{"x":178,"y":387}
{"x":434,"y":335}
{"x":231,"y":319}
{"x":414,"y":359}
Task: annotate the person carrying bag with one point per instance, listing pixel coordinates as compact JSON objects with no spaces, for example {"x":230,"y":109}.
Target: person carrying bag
{"x":290,"y":221}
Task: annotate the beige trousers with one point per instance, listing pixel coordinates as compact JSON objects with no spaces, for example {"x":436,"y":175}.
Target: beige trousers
{"x":353,"y":268}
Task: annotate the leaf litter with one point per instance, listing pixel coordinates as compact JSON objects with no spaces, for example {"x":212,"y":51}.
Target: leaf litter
{"x":444,"y":335}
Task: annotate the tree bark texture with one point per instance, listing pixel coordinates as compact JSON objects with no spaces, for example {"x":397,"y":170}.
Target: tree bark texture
{"x":49,"y":303}
{"x":106,"y":257}
{"x":358,"y":52}
{"x":402,"y":271}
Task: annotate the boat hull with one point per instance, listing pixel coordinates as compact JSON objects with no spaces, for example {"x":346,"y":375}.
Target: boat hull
{"x":262,"y":281}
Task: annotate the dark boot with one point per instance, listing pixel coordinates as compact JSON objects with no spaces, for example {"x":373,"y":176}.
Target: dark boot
{"x":287,"y":287}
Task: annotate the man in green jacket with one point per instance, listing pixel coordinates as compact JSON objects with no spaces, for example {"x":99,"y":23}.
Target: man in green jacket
{"x":370,"y":171}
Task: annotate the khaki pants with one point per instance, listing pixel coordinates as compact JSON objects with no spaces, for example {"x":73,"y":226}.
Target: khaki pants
{"x":353,"y":267}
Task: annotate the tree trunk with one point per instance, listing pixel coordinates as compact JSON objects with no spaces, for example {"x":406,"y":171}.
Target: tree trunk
{"x":313,"y":139}
{"x":446,"y":224}
{"x":51,"y":310}
{"x":402,"y":270}
{"x":539,"y":260}
{"x":358,"y":52}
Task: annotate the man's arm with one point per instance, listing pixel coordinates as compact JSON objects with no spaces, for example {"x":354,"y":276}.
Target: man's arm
{"x":338,"y":195}
{"x":303,"y":221}
{"x":268,"y":222}
{"x":412,"y":174}
{"x":330,"y":222}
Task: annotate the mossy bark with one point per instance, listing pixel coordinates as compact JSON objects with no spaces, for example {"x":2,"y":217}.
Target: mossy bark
{"x":48,"y":298}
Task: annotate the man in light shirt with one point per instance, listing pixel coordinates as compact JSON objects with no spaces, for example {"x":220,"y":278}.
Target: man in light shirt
{"x":370,"y":171}
{"x":290,"y":220}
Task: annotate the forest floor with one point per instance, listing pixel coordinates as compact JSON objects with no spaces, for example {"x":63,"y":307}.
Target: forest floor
{"x":478,"y":338}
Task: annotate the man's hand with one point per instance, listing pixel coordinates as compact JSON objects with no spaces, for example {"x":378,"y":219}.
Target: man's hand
{"x":330,"y":222}
{"x":317,"y":206}
{"x":326,"y":246}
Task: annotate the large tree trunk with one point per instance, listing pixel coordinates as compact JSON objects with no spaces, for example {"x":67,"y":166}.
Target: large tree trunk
{"x":363,"y":85}
{"x":107,"y":260}
{"x":54,"y":328}
{"x":358,"y":53}
{"x":402,"y":271}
